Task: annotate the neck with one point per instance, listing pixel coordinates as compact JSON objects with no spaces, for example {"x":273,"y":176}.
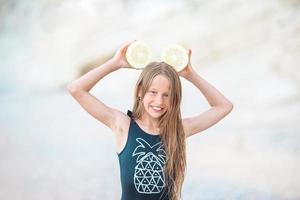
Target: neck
{"x":151,"y":125}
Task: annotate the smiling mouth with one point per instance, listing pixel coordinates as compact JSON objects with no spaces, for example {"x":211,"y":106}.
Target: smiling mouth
{"x":156,"y":108}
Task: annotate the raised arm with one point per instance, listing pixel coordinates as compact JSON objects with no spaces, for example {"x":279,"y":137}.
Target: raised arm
{"x":80,"y":88}
{"x":220,"y":105}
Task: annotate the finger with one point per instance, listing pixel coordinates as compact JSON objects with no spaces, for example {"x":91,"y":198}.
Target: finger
{"x":128,"y":43}
{"x":132,"y":41}
{"x":124,"y":48}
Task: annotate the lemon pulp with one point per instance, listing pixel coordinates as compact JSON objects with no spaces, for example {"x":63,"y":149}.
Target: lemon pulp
{"x":176,"y":56}
{"x":138,"y":55}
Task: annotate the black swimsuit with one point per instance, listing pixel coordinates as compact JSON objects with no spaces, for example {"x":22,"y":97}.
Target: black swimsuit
{"x":142,"y":164}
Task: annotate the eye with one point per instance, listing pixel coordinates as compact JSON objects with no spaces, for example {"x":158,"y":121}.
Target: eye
{"x":153,"y":92}
{"x":166,"y":95}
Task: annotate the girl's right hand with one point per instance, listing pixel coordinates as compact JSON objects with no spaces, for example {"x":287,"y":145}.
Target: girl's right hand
{"x":120,"y":57}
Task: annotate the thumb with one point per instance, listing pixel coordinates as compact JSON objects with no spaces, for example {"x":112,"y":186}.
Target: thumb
{"x":190,"y":52}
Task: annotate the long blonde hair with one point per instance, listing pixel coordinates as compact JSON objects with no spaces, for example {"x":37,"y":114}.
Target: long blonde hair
{"x":170,"y":124}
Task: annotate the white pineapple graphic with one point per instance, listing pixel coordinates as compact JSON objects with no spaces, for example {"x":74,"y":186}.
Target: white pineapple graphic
{"x":148,"y":174}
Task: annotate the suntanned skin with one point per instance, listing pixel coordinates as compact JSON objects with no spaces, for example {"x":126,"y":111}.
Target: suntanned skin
{"x":157,"y":98}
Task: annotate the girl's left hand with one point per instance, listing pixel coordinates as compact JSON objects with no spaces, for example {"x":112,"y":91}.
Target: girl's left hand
{"x":188,"y":70}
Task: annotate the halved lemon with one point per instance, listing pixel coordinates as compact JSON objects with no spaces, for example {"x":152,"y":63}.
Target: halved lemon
{"x":138,"y":55}
{"x":176,"y":56}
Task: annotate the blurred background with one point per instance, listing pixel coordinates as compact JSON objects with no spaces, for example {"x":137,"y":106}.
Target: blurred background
{"x":50,"y":148}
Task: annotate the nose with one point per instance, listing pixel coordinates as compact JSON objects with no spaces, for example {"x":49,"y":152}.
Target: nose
{"x":159,"y":100}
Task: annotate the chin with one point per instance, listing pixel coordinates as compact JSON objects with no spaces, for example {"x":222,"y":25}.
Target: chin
{"x":156,"y":115}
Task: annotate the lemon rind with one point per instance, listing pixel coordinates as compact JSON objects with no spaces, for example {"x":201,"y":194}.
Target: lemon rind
{"x":186,"y":59}
{"x":129,"y":51}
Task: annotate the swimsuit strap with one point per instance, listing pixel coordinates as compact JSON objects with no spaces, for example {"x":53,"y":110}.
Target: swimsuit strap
{"x":129,"y":113}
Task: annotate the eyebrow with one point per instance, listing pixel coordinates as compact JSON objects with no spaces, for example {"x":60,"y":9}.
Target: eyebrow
{"x":152,"y":88}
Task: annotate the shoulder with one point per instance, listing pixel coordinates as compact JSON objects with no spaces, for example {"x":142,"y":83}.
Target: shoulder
{"x":185,"y":128}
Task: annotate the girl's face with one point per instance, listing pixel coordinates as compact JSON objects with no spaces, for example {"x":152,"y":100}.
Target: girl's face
{"x":156,"y":101}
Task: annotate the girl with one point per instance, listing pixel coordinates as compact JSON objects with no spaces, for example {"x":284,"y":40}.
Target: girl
{"x":151,"y":138}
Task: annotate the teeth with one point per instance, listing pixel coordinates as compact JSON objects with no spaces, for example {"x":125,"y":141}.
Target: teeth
{"x":156,"y":108}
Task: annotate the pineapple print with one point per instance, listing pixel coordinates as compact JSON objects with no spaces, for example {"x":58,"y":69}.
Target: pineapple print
{"x":148,"y":174}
